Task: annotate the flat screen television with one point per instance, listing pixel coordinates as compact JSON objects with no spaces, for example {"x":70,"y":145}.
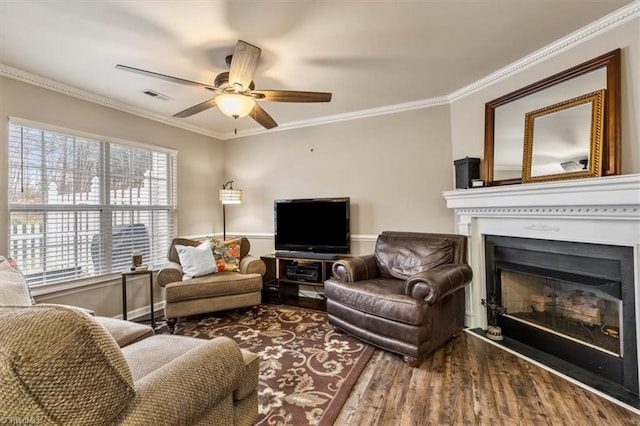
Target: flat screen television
{"x":312,"y":225}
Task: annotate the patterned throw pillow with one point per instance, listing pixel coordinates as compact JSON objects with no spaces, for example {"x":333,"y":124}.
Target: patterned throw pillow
{"x":14,"y":289}
{"x":227,"y":254}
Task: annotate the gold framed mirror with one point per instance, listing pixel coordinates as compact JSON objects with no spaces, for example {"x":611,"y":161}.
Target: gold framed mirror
{"x":564,"y":140}
{"x":505,"y":117}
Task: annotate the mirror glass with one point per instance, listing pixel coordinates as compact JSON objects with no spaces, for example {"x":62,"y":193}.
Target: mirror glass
{"x":564,"y":140}
{"x":509,"y":120}
{"x":561,"y":141}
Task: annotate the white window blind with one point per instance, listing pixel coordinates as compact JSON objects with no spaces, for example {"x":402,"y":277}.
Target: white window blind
{"x":79,"y":206}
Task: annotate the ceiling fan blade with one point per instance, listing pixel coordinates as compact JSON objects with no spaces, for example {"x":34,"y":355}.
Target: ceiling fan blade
{"x":243,"y":64}
{"x":166,"y":77}
{"x":196,"y":109}
{"x":293,"y":96}
{"x":262,"y":117}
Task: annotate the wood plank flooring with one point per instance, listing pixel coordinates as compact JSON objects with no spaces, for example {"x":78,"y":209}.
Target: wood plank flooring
{"x":471,"y":382}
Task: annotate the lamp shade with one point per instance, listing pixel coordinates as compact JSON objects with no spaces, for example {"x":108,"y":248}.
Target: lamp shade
{"x":235,"y":106}
{"x":231,"y":196}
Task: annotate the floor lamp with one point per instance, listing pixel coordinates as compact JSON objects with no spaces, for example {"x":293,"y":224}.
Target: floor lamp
{"x":228,"y":195}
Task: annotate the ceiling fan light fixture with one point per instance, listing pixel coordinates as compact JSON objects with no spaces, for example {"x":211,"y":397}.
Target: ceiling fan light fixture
{"x":234,"y":105}
{"x":235,"y":88}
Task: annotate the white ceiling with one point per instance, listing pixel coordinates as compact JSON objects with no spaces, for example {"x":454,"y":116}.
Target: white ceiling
{"x":369,"y":54}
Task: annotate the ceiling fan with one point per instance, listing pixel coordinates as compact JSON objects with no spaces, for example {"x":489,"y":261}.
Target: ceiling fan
{"x":236,"y":94}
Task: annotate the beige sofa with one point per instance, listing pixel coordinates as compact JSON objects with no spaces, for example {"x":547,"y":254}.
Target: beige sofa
{"x":58,"y":365}
{"x":210,"y":293}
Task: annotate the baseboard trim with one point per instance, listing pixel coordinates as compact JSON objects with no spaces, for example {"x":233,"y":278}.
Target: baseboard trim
{"x":143,"y":311}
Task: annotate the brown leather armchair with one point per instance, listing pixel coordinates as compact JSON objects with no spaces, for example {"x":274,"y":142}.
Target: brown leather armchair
{"x":407,"y":298}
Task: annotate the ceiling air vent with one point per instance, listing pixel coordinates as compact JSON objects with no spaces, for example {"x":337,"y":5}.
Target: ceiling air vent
{"x":156,"y":95}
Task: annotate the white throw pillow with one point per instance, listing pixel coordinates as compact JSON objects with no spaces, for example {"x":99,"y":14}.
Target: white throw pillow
{"x":13,"y":288}
{"x":197,"y":261}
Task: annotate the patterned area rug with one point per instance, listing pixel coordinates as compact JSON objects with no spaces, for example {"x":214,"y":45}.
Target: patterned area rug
{"x":306,"y":370}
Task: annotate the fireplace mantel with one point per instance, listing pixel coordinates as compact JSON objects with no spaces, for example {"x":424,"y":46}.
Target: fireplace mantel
{"x":620,"y":193}
{"x":602,"y":210}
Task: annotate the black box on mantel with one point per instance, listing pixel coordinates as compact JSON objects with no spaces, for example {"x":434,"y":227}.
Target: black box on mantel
{"x":467,"y":169}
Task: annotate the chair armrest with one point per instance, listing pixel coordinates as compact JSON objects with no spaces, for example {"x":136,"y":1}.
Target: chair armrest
{"x":181,"y":391}
{"x":170,"y":272}
{"x":252,"y":265}
{"x":79,"y":308}
{"x":353,"y":269}
{"x":438,"y":282}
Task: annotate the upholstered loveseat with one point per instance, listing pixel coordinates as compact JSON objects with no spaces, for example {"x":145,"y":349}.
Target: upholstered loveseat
{"x":59,"y":366}
{"x":213,"y":292}
{"x":407,"y":297}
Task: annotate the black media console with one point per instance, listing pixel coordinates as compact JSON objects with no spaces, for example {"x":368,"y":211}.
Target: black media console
{"x":285,"y":276}
{"x":305,"y":271}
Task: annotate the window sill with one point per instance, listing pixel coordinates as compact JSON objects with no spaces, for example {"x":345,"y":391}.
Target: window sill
{"x":83,"y":283}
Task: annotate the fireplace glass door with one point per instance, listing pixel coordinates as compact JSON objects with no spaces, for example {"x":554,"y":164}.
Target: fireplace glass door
{"x":587,"y":313}
{"x":570,"y":305}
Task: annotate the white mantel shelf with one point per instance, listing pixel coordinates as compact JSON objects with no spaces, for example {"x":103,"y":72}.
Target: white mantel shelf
{"x":621,"y":193}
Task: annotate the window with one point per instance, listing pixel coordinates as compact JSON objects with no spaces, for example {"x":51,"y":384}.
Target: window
{"x":79,"y":206}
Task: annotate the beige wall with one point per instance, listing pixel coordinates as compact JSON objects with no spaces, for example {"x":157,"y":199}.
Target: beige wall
{"x":467,"y":114}
{"x":394,"y":167}
{"x":199,"y":170}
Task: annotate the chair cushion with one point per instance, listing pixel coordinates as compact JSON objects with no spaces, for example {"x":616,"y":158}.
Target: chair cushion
{"x":220,"y":284}
{"x":125,"y":332}
{"x":382,"y":297}
{"x":147,"y":356}
{"x":402,"y":256}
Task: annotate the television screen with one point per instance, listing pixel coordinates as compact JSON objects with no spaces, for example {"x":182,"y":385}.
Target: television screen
{"x":318,"y":225}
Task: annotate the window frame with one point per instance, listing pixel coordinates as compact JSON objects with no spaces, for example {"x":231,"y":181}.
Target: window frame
{"x":105,"y":206}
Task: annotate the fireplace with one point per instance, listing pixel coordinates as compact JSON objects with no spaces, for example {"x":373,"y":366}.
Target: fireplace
{"x":574,"y":301}
{"x":544,"y":249}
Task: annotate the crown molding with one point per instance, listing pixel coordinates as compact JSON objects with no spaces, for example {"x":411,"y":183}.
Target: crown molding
{"x":607,"y":23}
{"x":46,"y":83}
{"x":365,"y":113}
{"x":598,"y":27}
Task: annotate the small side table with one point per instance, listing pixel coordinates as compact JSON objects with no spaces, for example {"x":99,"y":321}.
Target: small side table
{"x":128,"y":273}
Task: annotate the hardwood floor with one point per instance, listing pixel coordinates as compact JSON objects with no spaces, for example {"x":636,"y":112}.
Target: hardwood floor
{"x":471,"y":382}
